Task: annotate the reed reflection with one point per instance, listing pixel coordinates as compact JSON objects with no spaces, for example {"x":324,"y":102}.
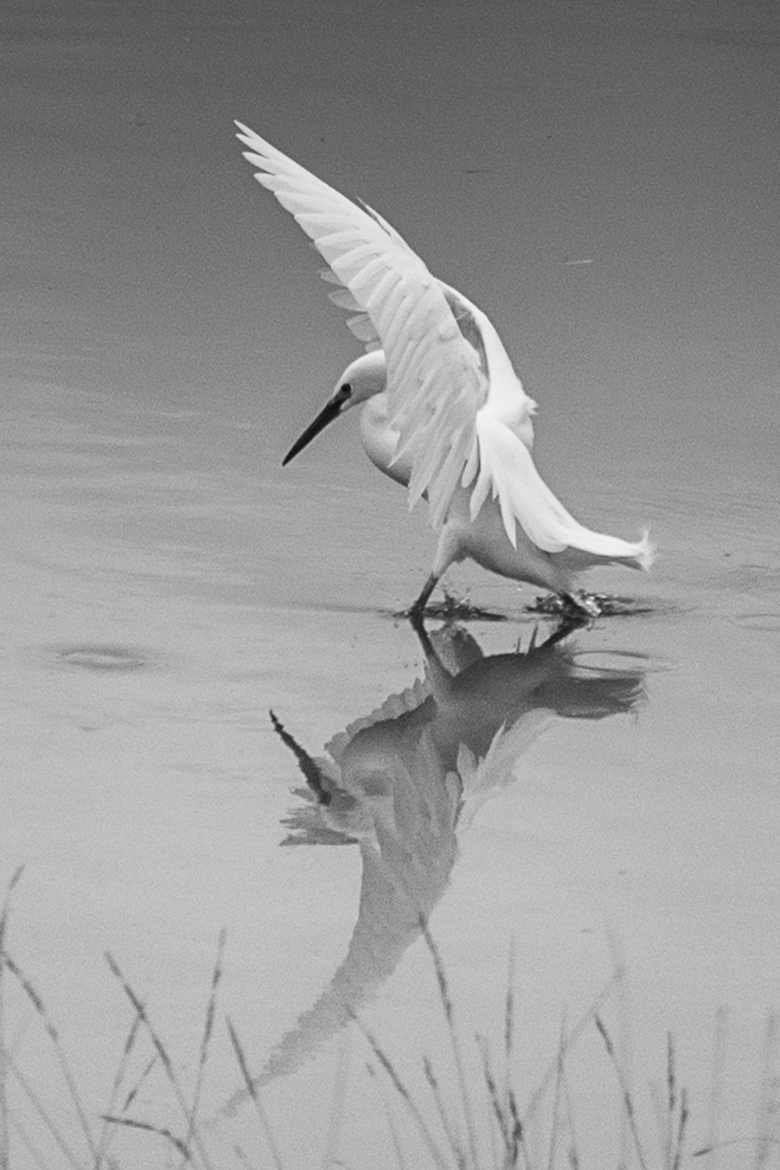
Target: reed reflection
{"x":402,"y":782}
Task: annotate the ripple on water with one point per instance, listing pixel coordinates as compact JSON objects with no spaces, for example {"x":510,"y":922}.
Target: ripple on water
{"x":103,"y":656}
{"x":767,"y":621}
{"x":620,"y":661}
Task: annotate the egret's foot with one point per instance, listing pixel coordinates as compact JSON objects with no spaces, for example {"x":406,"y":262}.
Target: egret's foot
{"x":573,"y":609}
{"x":584,"y":606}
{"x":451,"y":609}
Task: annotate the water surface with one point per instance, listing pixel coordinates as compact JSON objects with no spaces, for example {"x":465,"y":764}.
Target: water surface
{"x":165,"y":584}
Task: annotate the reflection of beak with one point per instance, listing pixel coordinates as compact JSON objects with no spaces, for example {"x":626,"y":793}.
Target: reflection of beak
{"x":330,"y":410}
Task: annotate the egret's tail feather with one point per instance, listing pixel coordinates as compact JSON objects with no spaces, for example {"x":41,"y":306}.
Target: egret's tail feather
{"x":646,"y":551}
{"x":637,"y":554}
{"x":507,"y":471}
{"x":587,"y":548}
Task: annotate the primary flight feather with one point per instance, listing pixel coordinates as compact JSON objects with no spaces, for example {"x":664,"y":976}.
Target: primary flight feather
{"x":445,"y":412}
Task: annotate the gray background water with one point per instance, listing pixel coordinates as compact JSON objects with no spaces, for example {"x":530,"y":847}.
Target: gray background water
{"x":165,"y":583}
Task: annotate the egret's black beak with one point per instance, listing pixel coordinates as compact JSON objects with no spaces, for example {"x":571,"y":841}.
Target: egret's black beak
{"x":330,"y":410}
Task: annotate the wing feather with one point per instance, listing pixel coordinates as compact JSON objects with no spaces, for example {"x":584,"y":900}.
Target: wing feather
{"x":445,"y":362}
{"x":362,"y":327}
{"x":343,"y":298}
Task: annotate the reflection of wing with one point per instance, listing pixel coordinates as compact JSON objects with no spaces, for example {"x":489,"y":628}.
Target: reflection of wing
{"x":448,"y":375}
{"x":552,"y":685}
{"x":405,"y":870}
{"x":483,"y":778}
{"x":393,"y":707}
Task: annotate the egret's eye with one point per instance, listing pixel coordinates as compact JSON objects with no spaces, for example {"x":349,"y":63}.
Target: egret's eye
{"x":343,"y":393}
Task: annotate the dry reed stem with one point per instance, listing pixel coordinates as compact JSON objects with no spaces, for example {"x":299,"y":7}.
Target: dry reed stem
{"x":557,"y":1095}
{"x":446,"y":1123}
{"x":133,"y":1093}
{"x":625,"y":1058}
{"x":403,"y":1093}
{"x":767,"y":1103}
{"x":672,"y":1113}
{"x":573,"y":1037}
{"x":51,"y":1031}
{"x":208,"y":1027}
{"x":659,"y":1114}
{"x":148,"y":1127}
{"x":40,"y":1109}
{"x":394,"y":1137}
{"x":671,"y":1099}
{"x":29,"y":1144}
{"x":5,"y":1134}
{"x":703,"y":1151}
{"x":683,"y":1121}
{"x":127,"y":1048}
{"x":719,"y":1042}
{"x":253,"y":1093}
{"x":574,"y":1159}
{"x":449,"y":1014}
{"x":336,"y":1119}
{"x":509,"y":1018}
{"x":506,"y":1114}
{"x":241,"y":1155}
{"x":497,"y":1105}
{"x":161,"y":1052}
{"x":518,"y":1133}
{"x":140,"y":1009}
{"x":628,"y":1102}
{"x":496,"y":1158}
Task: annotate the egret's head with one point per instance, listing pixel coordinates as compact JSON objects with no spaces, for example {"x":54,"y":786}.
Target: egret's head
{"x":362,"y":379}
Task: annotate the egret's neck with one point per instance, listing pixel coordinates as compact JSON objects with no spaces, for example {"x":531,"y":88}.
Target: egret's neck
{"x":380,"y":439}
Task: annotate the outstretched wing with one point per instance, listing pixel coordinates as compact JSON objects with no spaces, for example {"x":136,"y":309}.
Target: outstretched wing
{"x":445,"y":362}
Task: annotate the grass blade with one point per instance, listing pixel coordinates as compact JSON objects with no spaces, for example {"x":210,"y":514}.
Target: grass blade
{"x":509,"y":1018}
{"x":449,"y":1015}
{"x":337,"y":1107}
{"x":147,"y":1127}
{"x":54,"y":1037}
{"x":767,"y":1093}
{"x":573,"y":1037}
{"x":628,"y":1102}
{"x":557,"y":1096}
{"x":446,"y":1123}
{"x":29,"y":1144}
{"x":719,"y":1042}
{"x":402,"y":1091}
{"x":391,"y":1125}
{"x":161,"y":1052}
{"x":40,"y":1109}
{"x":208,"y":1028}
{"x":251,"y":1088}
{"x":678,"y":1147}
{"x":499,"y":1107}
{"x":105,"y":1134}
{"x":5,"y":1135}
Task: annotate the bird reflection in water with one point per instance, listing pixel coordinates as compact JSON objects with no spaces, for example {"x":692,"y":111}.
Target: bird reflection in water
{"x":403,"y":781}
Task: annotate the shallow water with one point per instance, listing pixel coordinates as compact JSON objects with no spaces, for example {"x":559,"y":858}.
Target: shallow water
{"x":165,"y":584}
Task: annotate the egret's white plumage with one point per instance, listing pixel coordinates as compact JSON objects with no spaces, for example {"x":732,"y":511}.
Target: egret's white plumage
{"x":445,"y":412}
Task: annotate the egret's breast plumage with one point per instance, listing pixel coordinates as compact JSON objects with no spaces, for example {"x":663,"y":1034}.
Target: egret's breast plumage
{"x":380,"y":440}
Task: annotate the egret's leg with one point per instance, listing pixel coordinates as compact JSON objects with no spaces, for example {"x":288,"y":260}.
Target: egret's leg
{"x":567,"y":625}
{"x":418,"y":609}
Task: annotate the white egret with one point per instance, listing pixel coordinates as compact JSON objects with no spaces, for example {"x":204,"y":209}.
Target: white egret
{"x":445,"y":414}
